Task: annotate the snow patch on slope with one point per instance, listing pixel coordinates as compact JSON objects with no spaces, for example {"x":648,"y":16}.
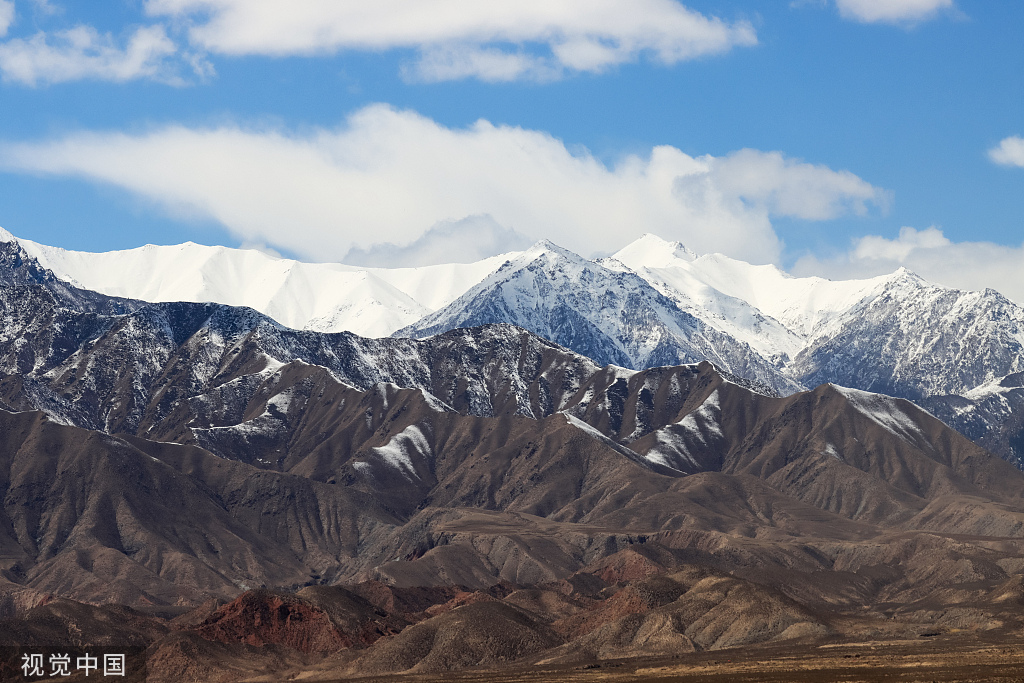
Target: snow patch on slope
{"x":669,"y":451}
{"x":583,"y":426}
{"x":594,"y":433}
{"x":436,"y":404}
{"x":281,"y":402}
{"x":884,"y":411}
{"x":399,"y":451}
{"x":701,"y":426}
{"x":703,"y":422}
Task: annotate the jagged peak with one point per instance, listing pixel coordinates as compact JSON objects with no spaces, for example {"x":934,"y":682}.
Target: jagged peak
{"x":905,"y":273}
{"x":542,"y":251}
{"x":546,"y":246}
{"x":905,"y":276}
{"x":6,"y":236}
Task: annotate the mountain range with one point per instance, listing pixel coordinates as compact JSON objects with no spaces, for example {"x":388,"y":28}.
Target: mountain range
{"x":652,"y":303}
{"x":238,"y":496}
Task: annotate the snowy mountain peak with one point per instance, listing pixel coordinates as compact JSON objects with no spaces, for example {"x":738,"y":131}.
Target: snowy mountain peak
{"x":544,"y":255}
{"x":654,"y":252}
{"x":904,"y":273}
{"x":547,"y":247}
{"x":906,"y":283}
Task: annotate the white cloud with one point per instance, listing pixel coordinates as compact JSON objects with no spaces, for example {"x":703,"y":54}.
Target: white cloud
{"x":788,"y":187}
{"x":488,"y":64}
{"x":44,"y":7}
{"x":82,"y":52}
{"x":1010,"y":152}
{"x":933,"y":256}
{"x":910,"y":241}
{"x":891,"y":11}
{"x":460,"y":38}
{"x":387,"y":175}
{"x":471,"y":239}
{"x":6,"y":16}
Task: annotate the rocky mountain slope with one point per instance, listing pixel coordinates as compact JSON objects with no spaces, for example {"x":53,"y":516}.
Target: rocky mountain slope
{"x":992,"y":415}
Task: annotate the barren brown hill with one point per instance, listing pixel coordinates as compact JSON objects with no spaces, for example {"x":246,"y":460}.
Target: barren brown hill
{"x":485,"y":633}
{"x":694,"y":609}
{"x":320,"y":482}
{"x":70,"y":623}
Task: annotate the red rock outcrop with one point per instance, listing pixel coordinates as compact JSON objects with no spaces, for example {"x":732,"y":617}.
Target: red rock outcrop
{"x":263,"y":618}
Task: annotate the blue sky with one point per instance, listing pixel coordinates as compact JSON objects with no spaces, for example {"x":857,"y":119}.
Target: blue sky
{"x":833,"y":137}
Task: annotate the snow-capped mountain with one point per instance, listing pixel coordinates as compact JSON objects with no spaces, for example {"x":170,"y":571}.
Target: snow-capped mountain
{"x":776,"y":311}
{"x":611,"y":315}
{"x":183,"y":371}
{"x":326,"y":297}
{"x":915,"y":339}
{"x":896,"y":334}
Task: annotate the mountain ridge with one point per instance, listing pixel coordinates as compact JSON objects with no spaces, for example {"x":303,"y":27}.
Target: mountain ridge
{"x":654,"y":303}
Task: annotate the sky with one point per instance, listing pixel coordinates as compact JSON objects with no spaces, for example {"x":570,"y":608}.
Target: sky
{"x":842,"y":138}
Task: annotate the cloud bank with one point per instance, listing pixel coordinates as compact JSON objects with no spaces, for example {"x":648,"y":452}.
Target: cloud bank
{"x":465,"y":241}
{"x":387,"y":175}
{"x":84,"y":53}
{"x":6,"y":16}
{"x":1009,"y":152}
{"x":493,"y":41}
{"x":892,"y":11}
{"x":933,"y":256}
